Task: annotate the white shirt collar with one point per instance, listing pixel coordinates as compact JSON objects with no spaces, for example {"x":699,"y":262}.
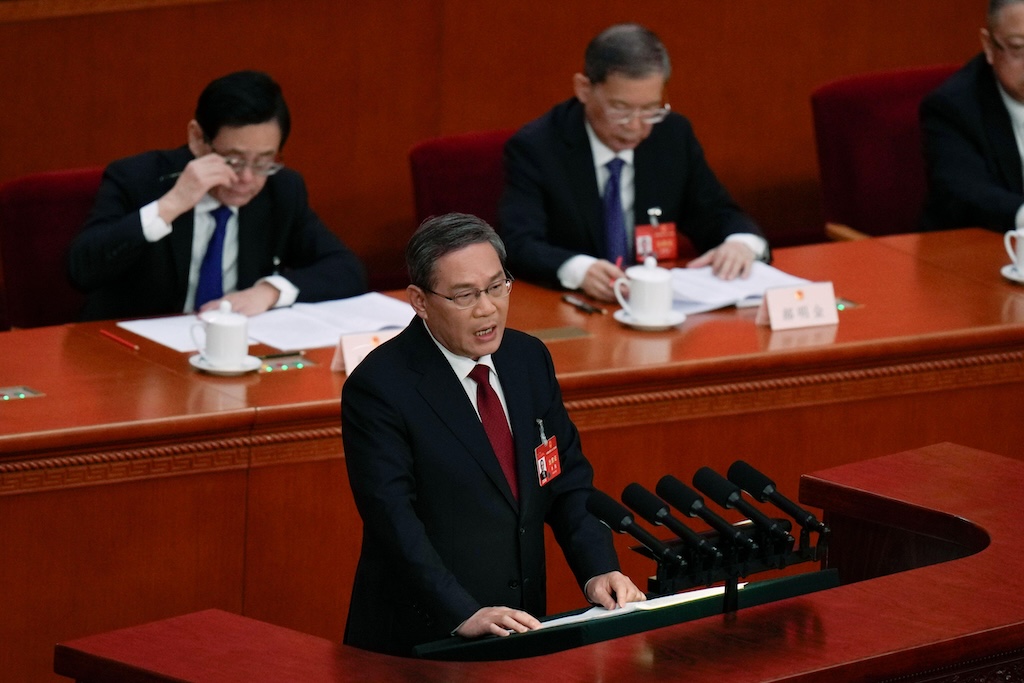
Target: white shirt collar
{"x":461,"y":365}
{"x":602,"y":152}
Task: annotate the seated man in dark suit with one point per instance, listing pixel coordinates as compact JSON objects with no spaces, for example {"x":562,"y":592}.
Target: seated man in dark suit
{"x":973,"y":127}
{"x":444,"y":469}
{"x":221,"y":218}
{"x":560,"y":222}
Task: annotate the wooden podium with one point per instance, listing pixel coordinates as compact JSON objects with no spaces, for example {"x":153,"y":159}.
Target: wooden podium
{"x":927,"y":542}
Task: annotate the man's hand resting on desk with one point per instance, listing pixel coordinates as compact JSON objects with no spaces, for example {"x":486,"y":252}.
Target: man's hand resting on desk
{"x":728,"y":260}
{"x":612,"y":590}
{"x":598,"y":282}
{"x":497,"y":621}
{"x":259,"y":298}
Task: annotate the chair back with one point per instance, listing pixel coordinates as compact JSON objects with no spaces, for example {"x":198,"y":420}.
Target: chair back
{"x":40,"y":215}
{"x":869,"y":148}
{"x":462,"y":173}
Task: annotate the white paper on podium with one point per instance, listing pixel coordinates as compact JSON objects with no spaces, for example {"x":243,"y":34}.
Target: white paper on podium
{"x":696,"y":290}
{"x":598,"y":612}
{"x":301,"y":326}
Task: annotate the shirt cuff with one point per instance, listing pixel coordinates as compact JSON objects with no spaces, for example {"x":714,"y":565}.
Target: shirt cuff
{"x":757,"y":244}
{"x":154,"y":228}
{"x":288,"y":292}
{"x":572,"y":273}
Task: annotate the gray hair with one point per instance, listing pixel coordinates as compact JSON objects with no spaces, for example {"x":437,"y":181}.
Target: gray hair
{"x":627,"y":49}
{"x":441,"y":235}
{"x":997,"y":6}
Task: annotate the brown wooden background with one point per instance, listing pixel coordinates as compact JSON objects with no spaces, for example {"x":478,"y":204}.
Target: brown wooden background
{"x":82,"y":83}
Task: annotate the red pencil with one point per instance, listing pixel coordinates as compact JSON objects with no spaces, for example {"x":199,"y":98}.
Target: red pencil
{"x":124,"y":342}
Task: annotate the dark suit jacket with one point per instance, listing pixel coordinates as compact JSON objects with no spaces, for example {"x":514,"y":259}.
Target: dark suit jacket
{"x":125,"y":276}
{"x":442,"y":534}
{"x":551,"y":209}
{"x":974,"y":168}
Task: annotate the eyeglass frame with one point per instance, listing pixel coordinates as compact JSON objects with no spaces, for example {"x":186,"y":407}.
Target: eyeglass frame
{"x":239,"y":164}
{"x":476,"y":293}
{"x":657,"y":115}
{"x":1015,"y":52}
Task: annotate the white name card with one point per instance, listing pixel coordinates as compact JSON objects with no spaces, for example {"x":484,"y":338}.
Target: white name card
{"x":352,"y":348}
{"x":808,"y":305}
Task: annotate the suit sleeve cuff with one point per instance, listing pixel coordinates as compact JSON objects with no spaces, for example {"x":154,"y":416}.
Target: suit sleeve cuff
{"x":288,"y":293}
{"x":572,"y":273}
{"x":757,"y":244}
{"x":154,"y":228}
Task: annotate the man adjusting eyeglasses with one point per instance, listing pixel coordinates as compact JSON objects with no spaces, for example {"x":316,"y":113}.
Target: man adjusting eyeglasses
{"x":219,"y":219}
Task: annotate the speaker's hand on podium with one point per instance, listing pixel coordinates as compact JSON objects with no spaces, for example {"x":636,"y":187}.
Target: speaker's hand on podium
{"x":498,"y":621}
{"x":612,"y":590}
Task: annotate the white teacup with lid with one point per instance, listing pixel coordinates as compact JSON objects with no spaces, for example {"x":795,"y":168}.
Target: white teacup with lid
{"x":225,"y":337}
{"x":650,"y":293}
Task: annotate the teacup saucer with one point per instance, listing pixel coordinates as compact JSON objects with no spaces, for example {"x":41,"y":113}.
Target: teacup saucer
{"x":249,"y":363}
{"x":1011,"y":272}
{"x":671,"y":320}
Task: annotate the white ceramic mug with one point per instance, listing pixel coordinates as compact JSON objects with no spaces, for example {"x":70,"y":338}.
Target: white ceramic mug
{"x":650,"y":293}
{"x":1016,"y":251}
{"x":225,"y":336}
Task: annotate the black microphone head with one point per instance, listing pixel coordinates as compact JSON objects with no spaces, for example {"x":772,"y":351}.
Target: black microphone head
{"x":716,"y":487}
{"x":751,"y":480}
{"x":609,"y":511}
{"x":679,"y":495}
{"x":644,"y":503}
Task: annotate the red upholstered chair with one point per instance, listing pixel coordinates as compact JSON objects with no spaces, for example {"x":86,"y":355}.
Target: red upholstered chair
{"x":461,"y":173}
{"x":39,"y":216}
{"x":869,"y":150}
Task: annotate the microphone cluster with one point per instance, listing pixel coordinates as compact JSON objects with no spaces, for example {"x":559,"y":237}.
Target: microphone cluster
{"x":725,"y":551}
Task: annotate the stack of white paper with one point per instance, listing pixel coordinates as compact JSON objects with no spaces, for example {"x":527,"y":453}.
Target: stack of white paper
{"x":302,"y":326}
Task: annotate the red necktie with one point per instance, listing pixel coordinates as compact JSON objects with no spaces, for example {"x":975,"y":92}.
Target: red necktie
{"x":493,"y":417}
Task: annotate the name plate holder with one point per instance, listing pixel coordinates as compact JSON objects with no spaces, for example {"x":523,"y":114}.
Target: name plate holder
{"x":808,"y":305}
{"x":353,"y":348}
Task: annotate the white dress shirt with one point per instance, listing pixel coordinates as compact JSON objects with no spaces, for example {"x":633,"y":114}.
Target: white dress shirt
{"x":155,"y":228}
{"x":572,"y":273}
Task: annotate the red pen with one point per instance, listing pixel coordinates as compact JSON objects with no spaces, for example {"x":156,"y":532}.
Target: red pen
{"x":123,"y":342}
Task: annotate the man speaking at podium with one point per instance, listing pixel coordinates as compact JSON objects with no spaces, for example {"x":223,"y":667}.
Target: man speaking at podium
{"x":445,"y":428}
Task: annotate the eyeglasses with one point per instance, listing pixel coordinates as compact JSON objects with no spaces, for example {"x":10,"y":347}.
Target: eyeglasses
{"x":262,"y":167}
{"x":623,"y":115}
{"x":469,"y":298}
{"x":1015,"y":52}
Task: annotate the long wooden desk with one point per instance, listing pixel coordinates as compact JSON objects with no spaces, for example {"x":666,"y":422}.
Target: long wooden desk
{"x":938,"y":516}
{"x":137,"y":488}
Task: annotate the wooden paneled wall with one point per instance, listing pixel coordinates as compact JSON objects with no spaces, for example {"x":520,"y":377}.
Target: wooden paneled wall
{"x":366,"y":80}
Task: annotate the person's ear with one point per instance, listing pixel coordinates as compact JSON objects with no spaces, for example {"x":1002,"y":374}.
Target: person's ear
{"x":197,"y":140}
{"x":987,"y":46}
{"x":418,"y":300}
{"x":581,"y":87}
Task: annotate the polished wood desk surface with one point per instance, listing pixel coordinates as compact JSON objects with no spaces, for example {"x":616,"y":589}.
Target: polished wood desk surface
{"x":933,"y":621}
{"x":916,"y":295}
{"x":180,"y":491}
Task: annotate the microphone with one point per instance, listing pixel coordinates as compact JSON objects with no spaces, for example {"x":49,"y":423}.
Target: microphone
{"x":618,"y":519}
{"x":763,"y":489}
{"x":655,"y":511}
{"x":728,"y":495}
{"x":686,"y":500}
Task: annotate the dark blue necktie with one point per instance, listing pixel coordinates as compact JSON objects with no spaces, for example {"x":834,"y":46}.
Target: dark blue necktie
{"x":616,"y":240}
{"x":211,"y":275}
